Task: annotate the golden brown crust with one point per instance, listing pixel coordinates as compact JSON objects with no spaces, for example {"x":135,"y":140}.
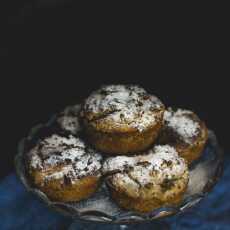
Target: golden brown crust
{"x":145,"y":182}
{"x":65,"y":192}
{"x":148,"y":205}
{"x":64,"y":168}
{"x":194,"y":151}
{"x":123,"y":142}
{"x":122,"y":118}
{"x":190,"y":148}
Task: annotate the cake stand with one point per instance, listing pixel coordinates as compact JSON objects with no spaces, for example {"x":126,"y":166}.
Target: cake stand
{"x":100,"y":208}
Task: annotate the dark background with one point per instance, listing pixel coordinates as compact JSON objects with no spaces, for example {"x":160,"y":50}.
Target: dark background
{"x":56,"y":53}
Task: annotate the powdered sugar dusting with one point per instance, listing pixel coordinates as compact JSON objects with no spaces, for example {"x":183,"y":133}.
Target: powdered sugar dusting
{"x":69,"y":154}
{"x":118,"y":163}
{"x":182,"y":124}
{"x":123,"y":104}
{"x":159,"y":163}
{"x":68,"y":120}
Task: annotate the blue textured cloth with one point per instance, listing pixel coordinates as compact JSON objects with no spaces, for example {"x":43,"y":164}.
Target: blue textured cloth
{"x":21,"y":210}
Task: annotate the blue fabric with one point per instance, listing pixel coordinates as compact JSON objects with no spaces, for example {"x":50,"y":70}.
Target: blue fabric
{"x":21,"y":210}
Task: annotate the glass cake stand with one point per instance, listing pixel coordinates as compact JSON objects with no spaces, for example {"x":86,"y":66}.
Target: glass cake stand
{"x":100,"y":208}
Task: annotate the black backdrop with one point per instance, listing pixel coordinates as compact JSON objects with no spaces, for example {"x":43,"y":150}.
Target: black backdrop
{"x":56,"y":57}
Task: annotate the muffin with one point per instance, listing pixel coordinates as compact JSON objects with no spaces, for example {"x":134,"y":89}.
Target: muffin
{"x":67,"y":121}
{"x":64,"y":168}
{"x":143,"y":183}
{"x":185,"y":131}
{"x":121,"y":119}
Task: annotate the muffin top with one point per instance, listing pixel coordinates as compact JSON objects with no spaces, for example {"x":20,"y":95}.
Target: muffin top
{"x":183,"y":124}
{"x":68,"y":120}
{"x":122,"y":108}
{"x":154,"y":171}
{"x":65,"y":158}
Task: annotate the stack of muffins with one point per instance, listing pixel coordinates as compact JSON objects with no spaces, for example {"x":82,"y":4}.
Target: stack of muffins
{"x":124,"y":136}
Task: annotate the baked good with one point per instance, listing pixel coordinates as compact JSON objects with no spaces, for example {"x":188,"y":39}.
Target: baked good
{"x":145,"y":182}
{"x":185,"y":131}
{"x":63,"y":158}
{"x":64,"y":168}
{"x":67,"y":121}
{"x":122,"y":118}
